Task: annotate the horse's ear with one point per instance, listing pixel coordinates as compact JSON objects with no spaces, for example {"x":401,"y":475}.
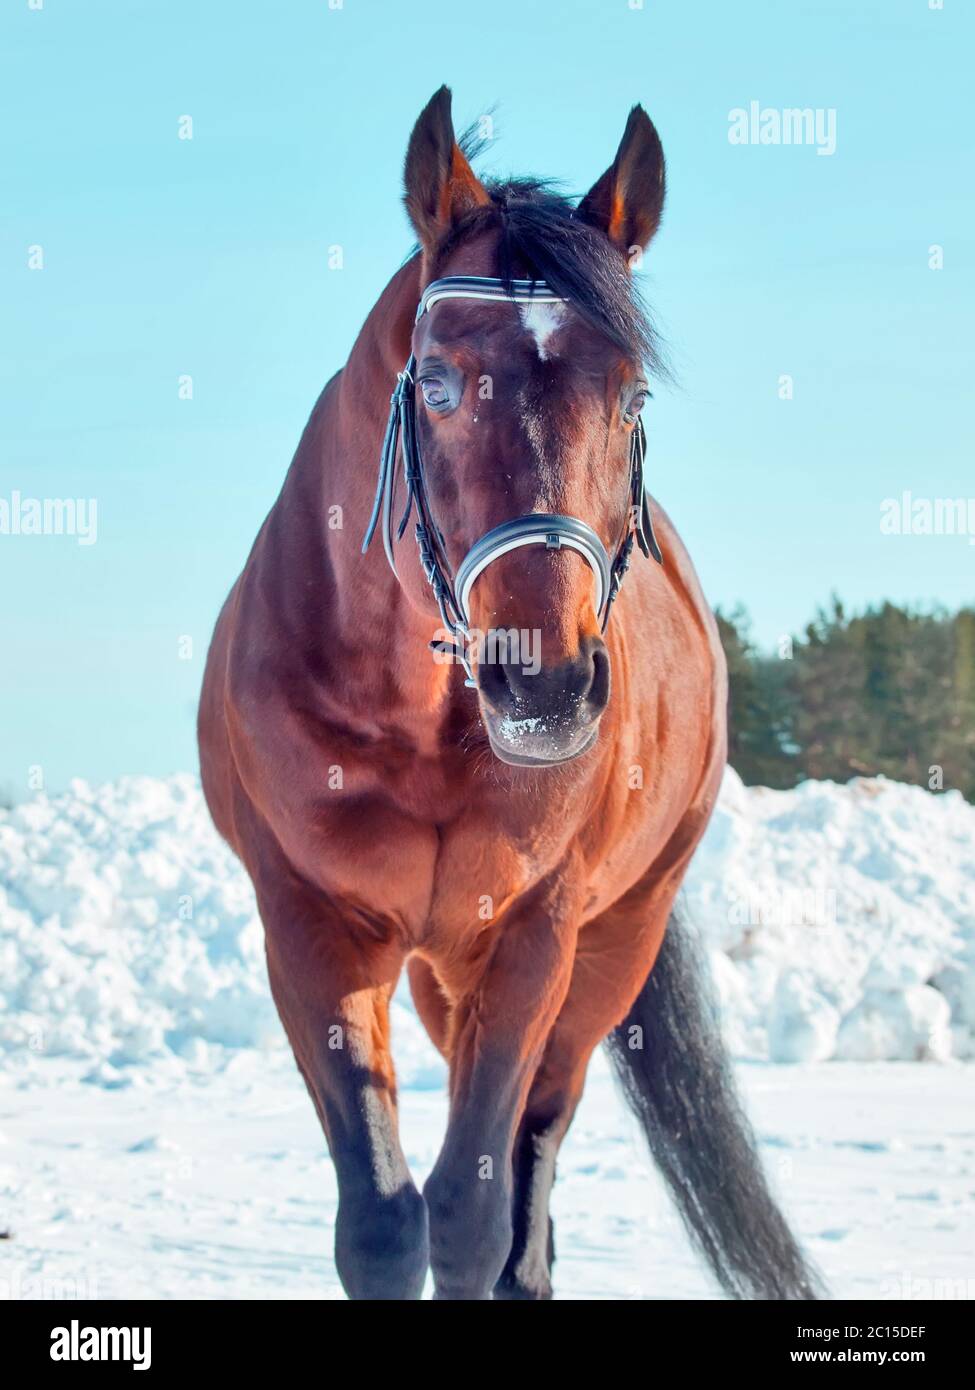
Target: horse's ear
{"x":627,"y":202}
{"x":440,"y":184}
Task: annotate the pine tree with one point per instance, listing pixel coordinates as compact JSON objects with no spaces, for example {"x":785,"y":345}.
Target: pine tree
{"x":760,"y":708}
{"x":891,"y":690}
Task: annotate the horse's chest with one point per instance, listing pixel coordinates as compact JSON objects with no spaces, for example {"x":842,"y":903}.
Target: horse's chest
{"x":443,"y":860}
{"x":487,"y":861}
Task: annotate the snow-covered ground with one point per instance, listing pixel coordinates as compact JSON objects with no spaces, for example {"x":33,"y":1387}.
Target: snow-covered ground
{"x":155,"y":1139}
{"x":221,"y":1188}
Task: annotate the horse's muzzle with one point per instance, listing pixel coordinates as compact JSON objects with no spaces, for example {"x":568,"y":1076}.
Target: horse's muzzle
{"x":545,"y":716}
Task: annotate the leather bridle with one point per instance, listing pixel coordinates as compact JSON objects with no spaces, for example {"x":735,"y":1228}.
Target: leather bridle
{"x":554,"y":531}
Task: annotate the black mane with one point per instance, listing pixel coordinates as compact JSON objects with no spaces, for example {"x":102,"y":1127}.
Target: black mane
{"x":540,"y":237}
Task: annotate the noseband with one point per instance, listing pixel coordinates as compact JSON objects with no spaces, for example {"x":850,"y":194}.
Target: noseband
{"x":554,"y":531}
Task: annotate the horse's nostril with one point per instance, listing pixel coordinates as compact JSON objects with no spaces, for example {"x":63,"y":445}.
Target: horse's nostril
{"x":492,"y":680}
{"x":598,"y":694}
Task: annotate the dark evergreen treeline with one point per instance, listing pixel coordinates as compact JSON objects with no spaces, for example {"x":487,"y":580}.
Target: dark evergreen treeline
{"x":891,"y":690}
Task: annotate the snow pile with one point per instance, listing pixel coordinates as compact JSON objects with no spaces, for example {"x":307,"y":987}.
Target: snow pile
{"x":128,"y":932}
{"x":841,"y":921}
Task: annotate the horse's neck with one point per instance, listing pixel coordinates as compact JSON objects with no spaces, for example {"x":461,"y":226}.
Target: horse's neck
{"x":351,"y":603}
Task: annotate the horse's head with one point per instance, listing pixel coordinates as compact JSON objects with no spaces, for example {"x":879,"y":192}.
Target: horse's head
{"x":529,"y":408}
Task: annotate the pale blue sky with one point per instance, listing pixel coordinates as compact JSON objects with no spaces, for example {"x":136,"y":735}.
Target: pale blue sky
{"x":210,"y":257}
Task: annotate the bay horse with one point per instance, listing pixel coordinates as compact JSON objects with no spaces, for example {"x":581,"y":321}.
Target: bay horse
{"x":511,"y":827}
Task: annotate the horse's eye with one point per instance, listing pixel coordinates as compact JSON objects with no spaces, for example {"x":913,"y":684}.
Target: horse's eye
{"x":435,"y":392}
{"x":635,"y":406}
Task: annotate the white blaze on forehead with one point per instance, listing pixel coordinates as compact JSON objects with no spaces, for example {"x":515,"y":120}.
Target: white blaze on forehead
{"x":541,"y":321}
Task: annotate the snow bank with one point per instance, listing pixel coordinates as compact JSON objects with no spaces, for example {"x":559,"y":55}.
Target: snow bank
{"x":841,"y":922}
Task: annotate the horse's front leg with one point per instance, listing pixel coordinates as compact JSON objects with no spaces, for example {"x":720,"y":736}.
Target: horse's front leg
{"x":613,"y":957}
{"x":331,"y":980}
{"x":498,"y":1031}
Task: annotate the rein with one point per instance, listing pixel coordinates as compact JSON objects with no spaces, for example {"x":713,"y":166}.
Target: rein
{"x":552,"y":530}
